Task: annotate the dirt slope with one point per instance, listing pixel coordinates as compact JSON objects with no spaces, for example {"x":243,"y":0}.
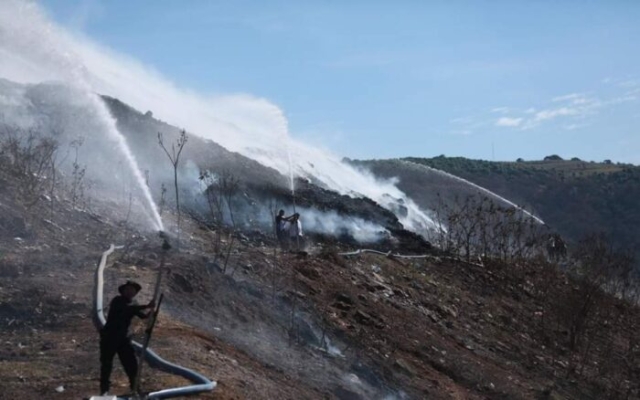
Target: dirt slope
{"x":279,"y":325}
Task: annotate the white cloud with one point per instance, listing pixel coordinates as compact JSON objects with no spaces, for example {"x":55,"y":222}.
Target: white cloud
{"x":630,"y":96}
{"x":554,"y":113}
{"x":576,"y":99}
{"x":568,"y":97}
{"x":461,"y":120}
{"x":570,"y":111}
{"x":500,"y":110}
{"x":506,"y":121}
{"x":633,"y":92}
{"x":572,"y":127}
{"x":461,"y":132}
{"x":630,"y":83}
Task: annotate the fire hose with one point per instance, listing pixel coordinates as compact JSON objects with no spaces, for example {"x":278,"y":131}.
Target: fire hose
{"x":200,"y":382}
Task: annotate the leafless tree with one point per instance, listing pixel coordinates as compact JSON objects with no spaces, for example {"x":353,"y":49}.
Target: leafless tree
{"x":77,"y":174}
{"x":27,"y":156}
{"x":215,"y":204}
{"x":163,"y":200}
{"x":55,"y":164}
{"x":597,"y":268}
{"x":221,"y":190}
{"x":174,"y":157}
{"x":477,"y":227}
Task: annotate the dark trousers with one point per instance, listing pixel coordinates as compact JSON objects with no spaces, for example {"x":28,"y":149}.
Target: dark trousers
{"x":109,"y":347}
{"x":282,"y":239}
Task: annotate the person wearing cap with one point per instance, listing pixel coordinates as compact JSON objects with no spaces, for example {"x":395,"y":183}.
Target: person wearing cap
{"x":114,"y":337}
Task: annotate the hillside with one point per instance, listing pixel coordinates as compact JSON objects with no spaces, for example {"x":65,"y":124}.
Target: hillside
{"x":325,"y":323}
{"x":573,"y":197}
{"x":393,"y":328}
{"x":277,"y":325}
{"x":178,"y":219}
{"x":50,"y":110}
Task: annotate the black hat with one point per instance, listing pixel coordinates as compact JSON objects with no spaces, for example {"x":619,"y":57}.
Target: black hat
{"x":133,"y":284}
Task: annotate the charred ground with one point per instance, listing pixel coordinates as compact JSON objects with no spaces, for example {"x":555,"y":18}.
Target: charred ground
{"x":271,"y":324}
{"x":278,"y":325}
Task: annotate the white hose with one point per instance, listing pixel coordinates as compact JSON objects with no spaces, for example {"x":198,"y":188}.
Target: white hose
{"x":201,"y":383}
{"x":405,"y":256}
{"x":388,"y":254}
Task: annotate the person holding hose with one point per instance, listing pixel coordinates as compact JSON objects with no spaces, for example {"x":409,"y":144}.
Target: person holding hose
{"x":282,"y":229}
{"x":114,"y":337}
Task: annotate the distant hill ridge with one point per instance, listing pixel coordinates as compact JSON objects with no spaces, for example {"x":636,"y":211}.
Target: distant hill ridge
{"x":574,"y":197}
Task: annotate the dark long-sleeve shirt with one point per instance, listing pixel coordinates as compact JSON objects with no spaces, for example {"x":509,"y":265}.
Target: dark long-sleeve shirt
{"x":121,"y":312}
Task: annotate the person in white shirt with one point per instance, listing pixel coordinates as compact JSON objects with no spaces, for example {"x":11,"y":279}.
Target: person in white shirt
{"x":295,"y":232}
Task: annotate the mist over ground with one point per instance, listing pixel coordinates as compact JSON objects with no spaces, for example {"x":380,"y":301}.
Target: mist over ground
{"x":34,"y":49}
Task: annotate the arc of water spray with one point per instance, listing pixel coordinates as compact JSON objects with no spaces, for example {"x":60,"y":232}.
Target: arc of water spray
{"x":284,"y":133}
{"x":110,"y":125}
{"x":284,"y":129}
{"x":291,"y":180}
{"x":40,"y":45}
{"x":480,"y":188}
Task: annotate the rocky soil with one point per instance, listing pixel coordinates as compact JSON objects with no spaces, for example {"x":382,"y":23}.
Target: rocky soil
{"x":272,"y":324}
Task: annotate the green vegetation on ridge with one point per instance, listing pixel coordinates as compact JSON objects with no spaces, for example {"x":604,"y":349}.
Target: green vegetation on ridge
{"x":574,"y":197}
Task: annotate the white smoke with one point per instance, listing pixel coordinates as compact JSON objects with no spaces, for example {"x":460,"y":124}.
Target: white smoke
{"x":312,"y":219}
{"x":330,"y":223}
{"x":34,"y":49}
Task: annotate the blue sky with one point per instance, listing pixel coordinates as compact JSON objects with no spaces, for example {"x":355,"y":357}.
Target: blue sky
{"x":374,"y":79}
